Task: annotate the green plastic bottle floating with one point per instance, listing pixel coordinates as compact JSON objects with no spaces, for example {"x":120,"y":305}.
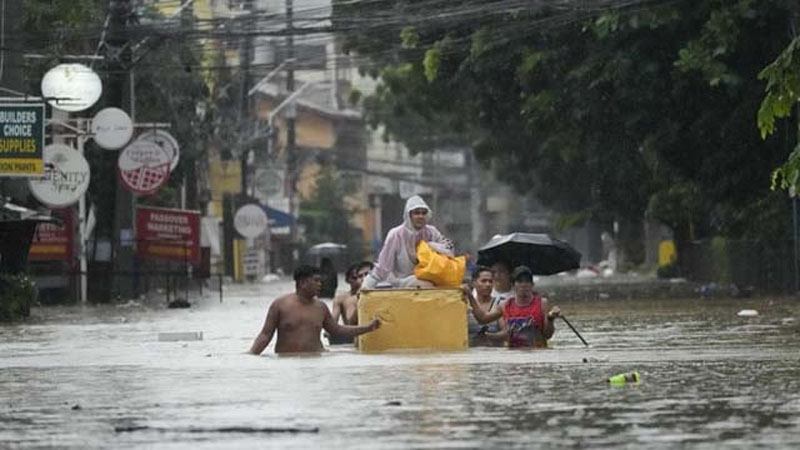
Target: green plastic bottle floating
{"x":623,"y":378}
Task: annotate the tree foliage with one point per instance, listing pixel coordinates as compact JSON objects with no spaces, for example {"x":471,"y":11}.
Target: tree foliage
{"x":326,"y":214}
{"x":783,"y":93}
{"x":610,"y":113}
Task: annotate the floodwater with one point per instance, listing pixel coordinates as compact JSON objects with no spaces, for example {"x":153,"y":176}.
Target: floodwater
{"x":98,"y":377}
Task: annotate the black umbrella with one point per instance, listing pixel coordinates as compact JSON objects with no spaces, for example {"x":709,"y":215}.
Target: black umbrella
{"x":326,"y":249}
{"x":543,"y":254}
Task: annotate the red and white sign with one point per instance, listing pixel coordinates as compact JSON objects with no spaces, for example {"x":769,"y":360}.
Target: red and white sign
{"x":144,"y":167}
{"x":164,"y":140}
{"x":172,"y":234}
{"x":53,"y":242}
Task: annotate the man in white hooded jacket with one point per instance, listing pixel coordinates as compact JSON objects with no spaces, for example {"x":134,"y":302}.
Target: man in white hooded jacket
{"x":399,"y":253}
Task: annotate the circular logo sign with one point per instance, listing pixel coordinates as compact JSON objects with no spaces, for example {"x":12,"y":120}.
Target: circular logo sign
{"x":143,"y":167}
{"x":66,"y":176}
{"x":269,"y":182}
{"x":112,"y":128}
{"x":250,"y":221}
{"x":165,"y":141}
{"x":71,"y":87}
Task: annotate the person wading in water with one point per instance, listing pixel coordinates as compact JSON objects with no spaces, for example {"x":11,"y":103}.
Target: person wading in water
{"x":527,"y":316}
{"x":345,"y":305}
{"x":300,"y":317}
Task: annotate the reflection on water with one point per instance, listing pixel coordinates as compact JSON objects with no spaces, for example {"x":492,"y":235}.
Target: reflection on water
{"x":99,"y":378}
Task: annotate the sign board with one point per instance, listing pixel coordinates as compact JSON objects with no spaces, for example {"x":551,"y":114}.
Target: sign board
{"x":65,"y":179}
{"x":21,"y":139}
{"x":171,"y":234}
{"x":71,"y":87}
{"x":269,"y":182}
{"x":143,"y":167}
{"x":250,"y":220}
{"x":53,"y":242}
{"x":253,"y":262}
{"x":166,"y":142}
{"x":112,"y":128}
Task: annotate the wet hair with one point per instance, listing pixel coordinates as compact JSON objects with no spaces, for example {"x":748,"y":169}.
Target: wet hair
{"x":522,"y":274}
{"x":353,"y":267}
{"x":356,"y":267}
{"x":304,"y":272}
{"x":478,"y":270}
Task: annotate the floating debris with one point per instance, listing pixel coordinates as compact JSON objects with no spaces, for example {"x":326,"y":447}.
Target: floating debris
{"x":179,"y":303}
{"x":132,"y":428}
{"x":747,"y":313}
{"x":181,"y":336}
{"x":623,"y":378}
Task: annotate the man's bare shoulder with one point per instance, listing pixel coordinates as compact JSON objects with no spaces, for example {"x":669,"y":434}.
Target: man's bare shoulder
{"x":321,"y":305}
{"x":341,"y":297}
{"x":283,"y":300}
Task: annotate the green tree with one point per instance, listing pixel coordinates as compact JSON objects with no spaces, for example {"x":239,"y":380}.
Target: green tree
{"x":605,"y":113}
{"x":326,"y":214}
{"x":783,"y":91}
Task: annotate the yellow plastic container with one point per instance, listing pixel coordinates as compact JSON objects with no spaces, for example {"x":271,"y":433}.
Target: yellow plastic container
{"x":433,"y":318}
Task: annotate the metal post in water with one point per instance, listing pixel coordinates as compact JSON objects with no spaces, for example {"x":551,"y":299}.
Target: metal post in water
{"x":186,"y":272}
{"x":796,"y":232}
{"x":169,"y":287}
{"x":82,"y":228}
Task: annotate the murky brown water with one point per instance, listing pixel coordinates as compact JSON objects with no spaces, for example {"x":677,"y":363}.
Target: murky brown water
{"x":99,"y":378}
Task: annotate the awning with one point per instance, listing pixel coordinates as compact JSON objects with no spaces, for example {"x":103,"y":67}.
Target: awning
{"x":277,"y":218}
{"x":9,"y":212}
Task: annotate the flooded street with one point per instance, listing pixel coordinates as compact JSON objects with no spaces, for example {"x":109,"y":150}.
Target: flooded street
{"x":98,"y":377}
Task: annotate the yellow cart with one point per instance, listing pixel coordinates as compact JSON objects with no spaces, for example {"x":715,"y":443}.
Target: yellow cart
{"x":419,"y":318}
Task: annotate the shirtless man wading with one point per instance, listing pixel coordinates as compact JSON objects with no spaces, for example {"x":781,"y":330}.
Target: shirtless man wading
{"x":346,"y":303}
{"x":300,"y":317}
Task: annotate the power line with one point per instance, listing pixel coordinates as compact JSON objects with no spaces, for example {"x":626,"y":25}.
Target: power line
{"x":471,"y":12}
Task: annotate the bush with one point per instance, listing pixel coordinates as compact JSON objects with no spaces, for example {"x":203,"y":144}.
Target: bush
{"x":17,"y":294}
{"x":668,"y":271}
{"x":721,"y":262}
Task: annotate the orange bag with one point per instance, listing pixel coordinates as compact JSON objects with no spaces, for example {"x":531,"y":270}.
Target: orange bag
{"x":441,"y":270}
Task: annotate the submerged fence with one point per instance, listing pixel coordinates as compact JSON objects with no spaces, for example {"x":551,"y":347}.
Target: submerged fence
{"x":108,"y":280}
{"x":765,"y":266}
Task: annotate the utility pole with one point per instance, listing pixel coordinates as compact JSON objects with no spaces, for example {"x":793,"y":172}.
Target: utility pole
{"x":291,"y":156}
{"x":793,"y":25}
{"x":229,"y":201}
{"x":188,"y":196}
{"x":120,"y":59}
{"x":244,"y":104}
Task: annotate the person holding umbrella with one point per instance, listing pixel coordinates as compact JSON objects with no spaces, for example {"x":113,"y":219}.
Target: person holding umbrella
{"x":527,"y":317}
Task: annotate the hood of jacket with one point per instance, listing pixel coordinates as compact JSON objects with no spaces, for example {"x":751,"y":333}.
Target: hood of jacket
{"x":414,"y":202}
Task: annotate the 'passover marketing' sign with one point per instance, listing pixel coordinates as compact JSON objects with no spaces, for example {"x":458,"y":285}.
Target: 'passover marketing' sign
{"x":168,"y":234}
